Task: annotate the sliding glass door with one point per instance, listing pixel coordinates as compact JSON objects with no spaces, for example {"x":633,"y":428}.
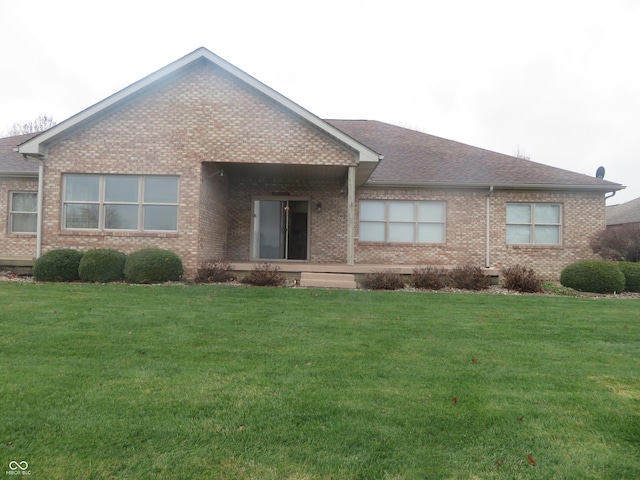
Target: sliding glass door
{"x":280,"y":229}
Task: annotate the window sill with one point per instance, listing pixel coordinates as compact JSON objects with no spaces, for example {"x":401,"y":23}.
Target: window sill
{"x":524,"y":246}
{"x":88,"y":233}
{"x":21,"y":235}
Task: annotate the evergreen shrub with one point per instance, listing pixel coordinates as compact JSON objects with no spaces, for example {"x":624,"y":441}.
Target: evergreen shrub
{"x":57,"y":266}
{"x":153,"y":265}
{"x":597,"y":276}
{"x":102,"y":265}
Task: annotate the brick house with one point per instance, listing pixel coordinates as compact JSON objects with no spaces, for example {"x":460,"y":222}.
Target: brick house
{"x":202,"y":159}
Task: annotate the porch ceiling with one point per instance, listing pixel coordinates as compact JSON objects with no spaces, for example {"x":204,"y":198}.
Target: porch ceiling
{"x":284,"y":171}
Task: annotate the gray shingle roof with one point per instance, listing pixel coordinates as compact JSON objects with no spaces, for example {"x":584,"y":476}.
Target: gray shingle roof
{"x":412,"y":157}
{"x":624,"y":213}
{"x":12,"y":163}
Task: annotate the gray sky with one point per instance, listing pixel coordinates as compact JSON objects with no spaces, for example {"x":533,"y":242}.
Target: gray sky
{"x":557,"y":80}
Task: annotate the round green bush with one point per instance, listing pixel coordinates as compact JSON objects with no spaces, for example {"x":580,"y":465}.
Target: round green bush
{"x":631,"y":271}
{"x":57,"y":266}
{"x":102,"y":265}
{"x":593,"y":276}
{"x":153,"y":265}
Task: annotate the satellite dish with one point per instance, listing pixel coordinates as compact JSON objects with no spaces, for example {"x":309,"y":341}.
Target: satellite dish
{"x":600,"y":172}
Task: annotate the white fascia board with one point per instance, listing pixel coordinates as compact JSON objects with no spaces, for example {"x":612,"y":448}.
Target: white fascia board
{"x":37,"y":146}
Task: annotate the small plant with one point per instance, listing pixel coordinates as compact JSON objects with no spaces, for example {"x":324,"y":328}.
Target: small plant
{"x":595,"y":276}
{"x":153,"y":265}
{"x":264,"y":275}
{"x":469,"y":278}
{"x":428,"y":278}
{"x":213,"y":271}
{"x":383,"y":280}
{"x":57,"y":266}
{"x":631,"y":271}
{"x":521,"y":279}
{"x":102,"y":266}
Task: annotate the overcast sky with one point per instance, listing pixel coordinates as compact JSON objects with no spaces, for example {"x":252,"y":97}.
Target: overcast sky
{"x":556,"y":80}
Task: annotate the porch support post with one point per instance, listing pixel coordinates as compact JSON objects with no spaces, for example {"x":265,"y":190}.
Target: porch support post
{"x":351,"y":216}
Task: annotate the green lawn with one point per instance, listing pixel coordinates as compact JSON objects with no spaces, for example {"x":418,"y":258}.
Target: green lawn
{"x":208,"y":382}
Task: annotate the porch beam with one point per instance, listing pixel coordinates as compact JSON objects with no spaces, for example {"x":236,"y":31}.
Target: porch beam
{"x":351,"y":216}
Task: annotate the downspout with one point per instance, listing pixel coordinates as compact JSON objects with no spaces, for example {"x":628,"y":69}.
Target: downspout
{"x":40,"y":203}
{"x":488,"y":233}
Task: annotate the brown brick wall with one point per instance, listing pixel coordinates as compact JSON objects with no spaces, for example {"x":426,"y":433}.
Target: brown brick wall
{"x":200,"y":116}
{"x":213,"y":214}
{"x":583,"y":215}
{"x":15,"y":245}
{"x":327,"y":228}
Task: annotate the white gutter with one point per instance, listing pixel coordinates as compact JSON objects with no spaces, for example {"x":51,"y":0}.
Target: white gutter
{"x":488,"y":241}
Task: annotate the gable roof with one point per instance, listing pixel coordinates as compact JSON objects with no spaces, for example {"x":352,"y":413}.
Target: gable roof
{"x":11,"y":162}
{"x":38,"y":146}
{"x":416,"y":158}
{"x":628,"y":212}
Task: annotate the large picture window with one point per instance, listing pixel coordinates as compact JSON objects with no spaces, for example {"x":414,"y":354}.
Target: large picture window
{"x":398,"y":221}
{"x":534,"y":223}
{"x":120,"y":202}
{"x":22,"y":212}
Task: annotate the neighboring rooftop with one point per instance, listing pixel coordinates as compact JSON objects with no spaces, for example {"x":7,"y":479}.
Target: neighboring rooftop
{"x":628,"y":212}
{"x":11,"y":162}
{"x":412,"y":157}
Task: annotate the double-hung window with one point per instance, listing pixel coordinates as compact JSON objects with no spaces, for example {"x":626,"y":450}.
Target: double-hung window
{"x":23,"y":212}
{"x":120,"y":202}
{"x":399,"y":221}
{"x":534,"y":223}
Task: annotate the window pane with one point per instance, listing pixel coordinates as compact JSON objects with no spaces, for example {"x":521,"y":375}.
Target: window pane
{"x":161,"y":190}
{"x":518,"y":234}
{"x":546,"y":234}
{"x":121,"y":189}
{"x":431,"y":233}
{"x":371,"y":210}
{"x":123,"y":217}
{"x":160,"y":218}
{"x":402,"y":212}
{"x":547,"y":213}
{"x":402,"y":232}
{"x":81,"y":215}
{"x":82,"y":188}
{"x":372,"y":232}
{"x":518,"y":213}
{"x":431,"y":212}
{"x":23,"y":223}
{"x":24,"y":202}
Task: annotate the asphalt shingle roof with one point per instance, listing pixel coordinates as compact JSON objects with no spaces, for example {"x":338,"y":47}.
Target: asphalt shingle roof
{"x":624,"y":213}
{"x":412,"y":157}
{"x":12,"y":162}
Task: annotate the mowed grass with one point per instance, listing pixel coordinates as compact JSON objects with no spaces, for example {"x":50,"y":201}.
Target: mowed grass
{"x":193,"y":382}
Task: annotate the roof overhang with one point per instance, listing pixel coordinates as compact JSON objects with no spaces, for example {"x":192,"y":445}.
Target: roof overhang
{"x":38,"y":146}
{"x":613,"y":187}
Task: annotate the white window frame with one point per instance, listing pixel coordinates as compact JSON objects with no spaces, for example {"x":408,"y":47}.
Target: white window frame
{"x":415,"y":221}
{"x":103,"y":203}
{"x":13,"y":213}
{"x":533,"y":223}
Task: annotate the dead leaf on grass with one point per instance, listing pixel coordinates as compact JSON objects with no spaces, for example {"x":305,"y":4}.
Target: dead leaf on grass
{"x":531,"y":461}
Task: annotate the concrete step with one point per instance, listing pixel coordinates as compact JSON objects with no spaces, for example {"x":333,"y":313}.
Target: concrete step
{"x":327,"y":280}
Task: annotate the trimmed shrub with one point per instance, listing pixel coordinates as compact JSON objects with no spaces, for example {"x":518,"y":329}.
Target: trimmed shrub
{"x":217,"y":270}
{"x":521,"y":279}
{"x":153,"y":265}
{"x":102,"y":265}
{"x":631,"y":271}
{"x":595,"y":276}
{"x":383,"y":280}
{"x":469,"y":278}
{"x":429,"y":278}
{"x":57,"y":266}
{"x":264,"y":275}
